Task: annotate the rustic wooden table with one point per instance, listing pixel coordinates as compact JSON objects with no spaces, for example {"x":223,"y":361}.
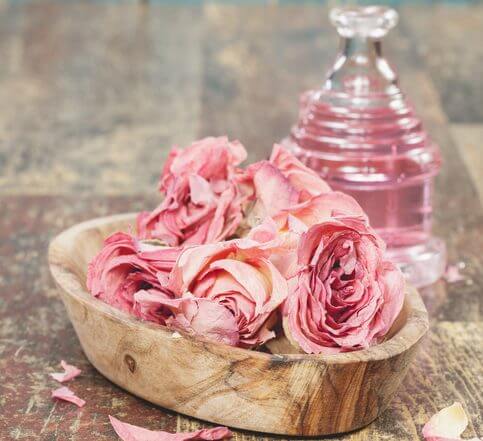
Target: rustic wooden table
{"x":92,"y":95}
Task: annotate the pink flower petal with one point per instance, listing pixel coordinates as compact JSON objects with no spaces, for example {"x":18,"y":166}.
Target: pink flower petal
{"x":453,"y":274}
{"x":129,"y":432}
{"x":65,"y":394}
{"x":201,"y":317}
{"x":301,"y":177}
{"x":200,"y":190}
{"x":70,"y":372}
{"x":446,"y":425}
{"x":265,"y":232}
{"x":272,"y":188}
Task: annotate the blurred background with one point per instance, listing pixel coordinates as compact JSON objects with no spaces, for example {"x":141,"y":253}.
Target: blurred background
{"x":94,"y":93}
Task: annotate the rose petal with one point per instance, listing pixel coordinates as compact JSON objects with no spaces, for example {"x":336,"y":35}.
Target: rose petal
{"x":265,"y":232}
{"x":65,"y":394}
{"x":207,"y":319}
{"x":201,"y":317}
{"x":129,"y":432}
{"x":200,"y":190}
{"x":70,"y":372}
{"x":301,"y":177}
{"x":446,"y":425}
{"x":272,"y":188}
{"x":453,"y":274}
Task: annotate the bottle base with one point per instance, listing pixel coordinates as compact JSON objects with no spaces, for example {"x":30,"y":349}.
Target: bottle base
{"x":421,"y":264}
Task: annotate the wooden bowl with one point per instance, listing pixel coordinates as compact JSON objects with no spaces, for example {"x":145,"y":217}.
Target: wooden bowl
{"x":290,"y":394}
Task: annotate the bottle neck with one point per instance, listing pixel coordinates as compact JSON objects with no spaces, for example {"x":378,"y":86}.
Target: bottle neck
{"x":361,"y":69}
{"x":359,"y":50}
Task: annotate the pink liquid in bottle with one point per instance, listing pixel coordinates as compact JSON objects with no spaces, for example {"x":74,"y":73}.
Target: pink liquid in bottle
{"x":361,"y":134}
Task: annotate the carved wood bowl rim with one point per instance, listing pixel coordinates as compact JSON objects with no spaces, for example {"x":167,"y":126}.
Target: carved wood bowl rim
{"x":408,"y":335}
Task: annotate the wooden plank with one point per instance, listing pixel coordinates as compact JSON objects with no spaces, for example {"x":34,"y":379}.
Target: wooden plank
{"x":448,"y":38}
{"x":469,"y":139}
{"x":94,"y":95}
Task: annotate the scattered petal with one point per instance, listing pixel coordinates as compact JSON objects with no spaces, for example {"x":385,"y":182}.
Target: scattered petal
{"x":70,"y":373}
{"x":176,"y":335}
{"x":453,"y":274}
{"x":64,"y":393}
{"x":447,"y":425}
{"x":129,"y":432}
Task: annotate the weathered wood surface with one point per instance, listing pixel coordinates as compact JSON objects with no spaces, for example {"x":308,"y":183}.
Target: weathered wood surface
{"x":93,"y":94}
{"x":284,"y":393}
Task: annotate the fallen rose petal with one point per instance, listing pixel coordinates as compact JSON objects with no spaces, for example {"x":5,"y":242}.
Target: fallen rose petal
{"x":70,"y":372}
{"x":65,"y":394}
{"x":129,"y":432}
{"x":453,"y":274}
{"x":447,"y":425}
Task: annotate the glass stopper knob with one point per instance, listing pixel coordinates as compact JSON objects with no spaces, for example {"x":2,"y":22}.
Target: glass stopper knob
{"x":363,"y":21}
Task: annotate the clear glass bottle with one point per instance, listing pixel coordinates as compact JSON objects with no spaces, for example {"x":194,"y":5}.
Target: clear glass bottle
{"x":361,"y":134}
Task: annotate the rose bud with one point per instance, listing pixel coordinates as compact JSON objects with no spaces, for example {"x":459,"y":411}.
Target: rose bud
{"x":125,"y":266}
{"x":344,"y":296}
{"x":239,"y":276}
{"x":204,"y":195}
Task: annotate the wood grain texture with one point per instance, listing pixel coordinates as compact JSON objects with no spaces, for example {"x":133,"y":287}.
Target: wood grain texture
{"x":74,"y":141}
{"x":289,"y":394}
{"x":469,"y":139}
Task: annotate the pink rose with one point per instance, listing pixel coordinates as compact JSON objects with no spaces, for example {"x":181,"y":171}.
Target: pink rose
{"x":283,"y":182}
{"x":199,"y":317}
{"x":125,"y":266}
{"x":305,"y":180}
{"x":293,"y":195}
{"x":239,"y":276}
{"x":345,"y":296}
{"x":203,"y":194}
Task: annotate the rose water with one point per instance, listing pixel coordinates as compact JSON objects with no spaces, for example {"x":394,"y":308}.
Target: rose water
{"x":362,"y":135}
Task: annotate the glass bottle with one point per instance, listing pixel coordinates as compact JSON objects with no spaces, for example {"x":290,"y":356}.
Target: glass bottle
{"x":362,"y":135}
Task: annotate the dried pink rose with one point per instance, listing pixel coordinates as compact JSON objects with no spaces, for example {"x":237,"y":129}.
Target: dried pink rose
{"x":126,"y":265}
{"x":69,"y":373}
{"x":200,"y":317}
{"x":305,"y":180}
{"x":345,"y":296}
{"x":447,"y":425}
{"x":204,"y":194}
{"x":239,"y":276}
{"x":283,"y":187}
{"x":65,"y":394}
{"x":129,"y":432}
{"x":318,"y":209}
